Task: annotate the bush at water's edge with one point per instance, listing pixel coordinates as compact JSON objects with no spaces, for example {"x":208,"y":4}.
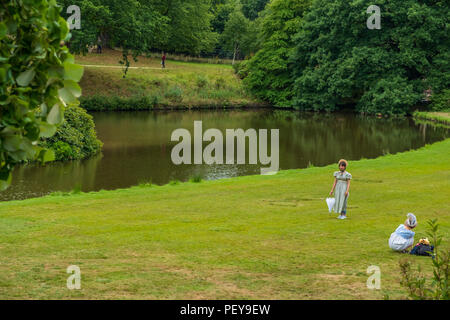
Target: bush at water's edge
{"x":76,"y":137}
{"x":154,"y":102}
{"x":115,"y":103}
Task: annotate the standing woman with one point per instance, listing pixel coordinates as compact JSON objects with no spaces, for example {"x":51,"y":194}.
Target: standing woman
{"x":163,"y":60}
{"x":342,"y":186}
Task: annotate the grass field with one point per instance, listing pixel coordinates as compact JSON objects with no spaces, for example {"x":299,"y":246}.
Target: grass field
{"x":181,"y":84}
{"x":255,"y":237}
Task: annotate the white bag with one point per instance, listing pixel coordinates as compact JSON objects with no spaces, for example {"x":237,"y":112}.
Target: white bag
{"x":330,"y":203}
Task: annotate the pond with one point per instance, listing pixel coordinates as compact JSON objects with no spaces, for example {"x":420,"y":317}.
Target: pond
{"x":137,"y":147}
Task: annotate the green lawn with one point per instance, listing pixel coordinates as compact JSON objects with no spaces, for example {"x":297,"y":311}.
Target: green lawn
{"x":256,"y":237}
{"x":181,"y":84}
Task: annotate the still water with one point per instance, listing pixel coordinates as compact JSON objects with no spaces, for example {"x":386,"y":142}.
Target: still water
{"x":137,"y":147}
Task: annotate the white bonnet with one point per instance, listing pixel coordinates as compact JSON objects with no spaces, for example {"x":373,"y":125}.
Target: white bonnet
{"x":411,"y":221}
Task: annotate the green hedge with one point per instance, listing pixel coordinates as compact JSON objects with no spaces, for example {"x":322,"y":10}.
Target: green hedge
{"x":115,"y":103}
{"x":441,"y":101}
{"x":76,"y":137}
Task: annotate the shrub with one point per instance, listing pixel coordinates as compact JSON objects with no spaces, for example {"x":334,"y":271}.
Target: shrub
{"x":196,"y":178}
{"x":63,"y":151}
{"x":241,"y":69}
{"x":116,"y":103}
{"x":390,"y":96}
{"x":174,"y":94}
{"x":337,"y":60}
{"x":201,"y":81}
{"x":416,"y":282}
{"x":220,"y":83}
{"x":441,"y":102}
{"x":145,"y":184}
{"x":76,"y":137}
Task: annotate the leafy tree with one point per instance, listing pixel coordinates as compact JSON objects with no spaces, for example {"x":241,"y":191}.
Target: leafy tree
{"x":221,"y":10}
{"x":188,"y":27}
{"x":338,"y":60}
{"x":251,"y":41}
{"x":135,"y":26}
{"x":235,"y":31}
{"x":96,"y":22}
{"x":251,"y":8}
{"x":38,"y":78}
{"x":268,"y":72}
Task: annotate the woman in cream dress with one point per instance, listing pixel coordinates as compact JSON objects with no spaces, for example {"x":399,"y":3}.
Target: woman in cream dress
{"x":341,"y":188}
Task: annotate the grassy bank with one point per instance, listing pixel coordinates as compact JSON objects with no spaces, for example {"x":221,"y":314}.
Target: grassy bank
{"x":148,"y":86}
{"x":439,"y":117}
{"x":255,"y":237}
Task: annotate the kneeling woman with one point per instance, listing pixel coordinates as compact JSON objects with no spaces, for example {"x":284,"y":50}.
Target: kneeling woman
{"x":403,"y":237}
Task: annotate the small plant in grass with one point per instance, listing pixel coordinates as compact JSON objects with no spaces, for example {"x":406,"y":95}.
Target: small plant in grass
{"x":220,"y":83}
{"x":416,"y":282}
{"x":145,"y":184}
{"x":76,"y":189}
{"x":174,"y":182}
{"x":201,"y":81}
{"x":58,"y":194}
{"x":174,"y":94}
{"x":196,"y":179}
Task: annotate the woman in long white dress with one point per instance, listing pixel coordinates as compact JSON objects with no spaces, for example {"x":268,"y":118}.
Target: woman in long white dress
{"x":403,"y":237}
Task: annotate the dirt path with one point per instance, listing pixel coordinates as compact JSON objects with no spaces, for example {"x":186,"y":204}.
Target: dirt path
{"x":105,"y":66}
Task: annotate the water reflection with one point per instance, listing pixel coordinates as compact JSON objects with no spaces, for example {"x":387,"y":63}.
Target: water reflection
{"x":137,"y":147}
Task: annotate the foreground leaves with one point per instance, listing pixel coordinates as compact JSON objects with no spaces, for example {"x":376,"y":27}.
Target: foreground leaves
{"x":36,"y":72}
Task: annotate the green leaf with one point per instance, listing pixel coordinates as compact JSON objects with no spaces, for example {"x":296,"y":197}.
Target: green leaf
{"x":27,"y":147}
{"x":44,"y":109}
{"x":69,"y":59}
{"x":64,"y":27}
{"x":4,"y":184}
{"x":12,"y":143}
{"x":47,"y":130}
{"x":3,"y":30}
{"x":73,"y":87}
{"x":2,"y":74}
{"x":49,"y":155}
{"x":25,"y":77}
{"x":72,"y":71}
{"x":66,"y":95}
{"x":18,"y":155}
{"x":55,"y":115}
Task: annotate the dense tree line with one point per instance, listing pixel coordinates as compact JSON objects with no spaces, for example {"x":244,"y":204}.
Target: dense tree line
{"x":222,"y":28}
{"x":321,"y":55}
{"x":307,"y":54}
